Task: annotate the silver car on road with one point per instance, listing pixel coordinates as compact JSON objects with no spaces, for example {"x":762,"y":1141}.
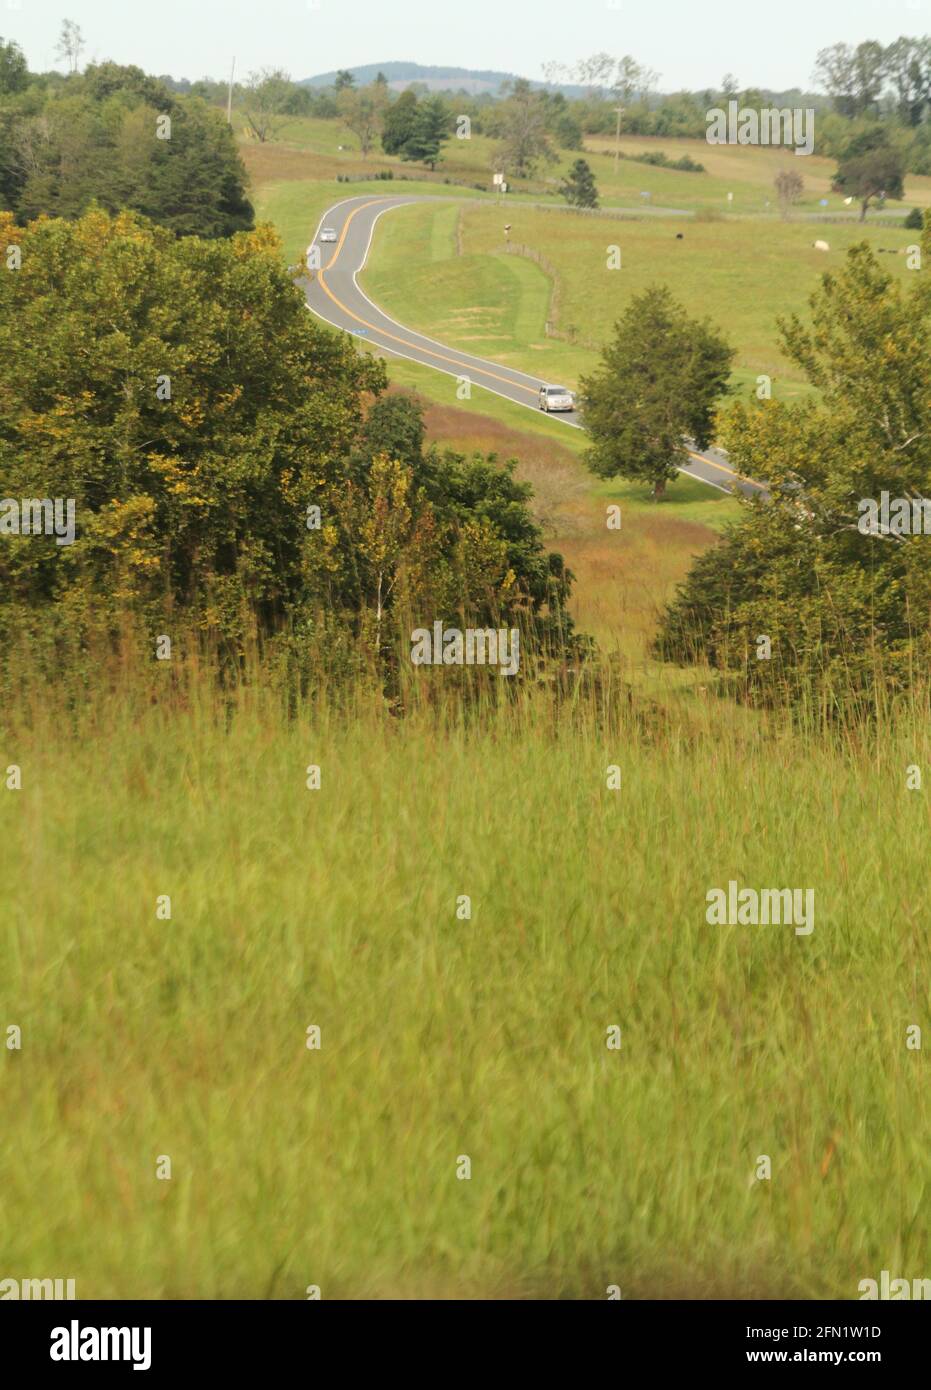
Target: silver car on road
{"x":556,"y":398}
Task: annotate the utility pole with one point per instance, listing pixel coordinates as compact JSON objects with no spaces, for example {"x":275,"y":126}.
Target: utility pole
{"x":229,"y":96}
{"x":617,"y":138}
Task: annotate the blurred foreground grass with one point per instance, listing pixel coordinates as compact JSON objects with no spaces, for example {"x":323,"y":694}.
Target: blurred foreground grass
{"x":443,"y":1037}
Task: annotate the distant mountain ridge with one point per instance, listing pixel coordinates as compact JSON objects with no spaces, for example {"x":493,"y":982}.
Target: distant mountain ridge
{"x":437,"y":79}
{"x":479,"y":81}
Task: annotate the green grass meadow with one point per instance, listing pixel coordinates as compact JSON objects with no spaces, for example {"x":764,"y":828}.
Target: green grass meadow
{"x":444,"y":1038}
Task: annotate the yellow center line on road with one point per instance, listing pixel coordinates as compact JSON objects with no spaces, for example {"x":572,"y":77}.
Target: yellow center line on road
{"x":442,"y":357}
{"x":373,"y":202}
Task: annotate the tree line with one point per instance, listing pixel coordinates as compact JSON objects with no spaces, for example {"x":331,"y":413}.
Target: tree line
{"x":858,"y":87}
{"x":115,"y":136}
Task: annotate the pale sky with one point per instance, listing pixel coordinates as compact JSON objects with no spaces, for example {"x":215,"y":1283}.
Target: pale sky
{"x":691,"y":43}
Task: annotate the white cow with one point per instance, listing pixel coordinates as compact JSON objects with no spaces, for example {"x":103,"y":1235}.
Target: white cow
{"x":821,"y":246}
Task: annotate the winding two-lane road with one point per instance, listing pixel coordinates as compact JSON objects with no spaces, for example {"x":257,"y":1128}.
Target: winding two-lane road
{"x":334,"y":295}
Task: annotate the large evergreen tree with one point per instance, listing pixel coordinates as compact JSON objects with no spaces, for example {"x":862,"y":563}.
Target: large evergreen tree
{"x":579,"y":188}
{"x":430,"y":133}
{"x":416,"y":130}
{"x":400,"y":123}
{"x":658,"y":381}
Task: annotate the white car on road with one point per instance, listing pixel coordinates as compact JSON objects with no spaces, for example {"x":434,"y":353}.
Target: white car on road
{"x":556,"y":398}
{"x":328,"y":234}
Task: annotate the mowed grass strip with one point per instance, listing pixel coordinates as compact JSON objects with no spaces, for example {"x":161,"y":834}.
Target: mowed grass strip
{"x":443,"y":1037}
{"x":492,"y":305}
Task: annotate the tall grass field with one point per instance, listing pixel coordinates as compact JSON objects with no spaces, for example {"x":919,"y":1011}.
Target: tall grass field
{"x":565,"y":1084}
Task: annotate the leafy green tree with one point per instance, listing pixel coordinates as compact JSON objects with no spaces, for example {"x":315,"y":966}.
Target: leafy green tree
{"x":579,"y":187}
{"x":97,"y":140}
{"x":658,"y":381}
{"x":267,"y":95}
{"x":363,"y":112}
{"x":343,"y":80}
{"x":521,"y":124}
{"x":395,"y":427}
{"x":14,"y":73}
{"x":300,"y":101}
{"x":400,"y":123}
{"x":100,"y":81}
{"x":191,"y":503}
{"x":870,"y":168}
{"x":568,"y":131}
{"x":61,"y":159}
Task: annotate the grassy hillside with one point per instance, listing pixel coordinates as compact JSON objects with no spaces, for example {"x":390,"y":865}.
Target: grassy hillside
{"x":742,"y":274}
{"x":444,"y":271}
{"x":746,"y":171}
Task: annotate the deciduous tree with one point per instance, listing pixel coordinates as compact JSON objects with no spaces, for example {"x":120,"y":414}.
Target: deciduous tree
{"x":789,"y":186}
{"x":267,"y":95}
{"x":870,"y":168}
{"x":363,"y":112}
{"x":521,"y":121}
